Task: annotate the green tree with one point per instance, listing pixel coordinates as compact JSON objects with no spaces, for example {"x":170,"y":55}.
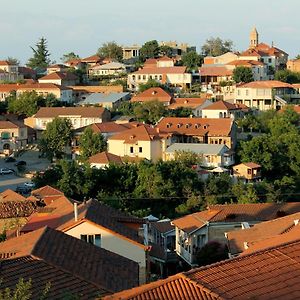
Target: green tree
{"x":242,"y":74}
{"x":149,"y":84}
{"x":187,"y":158}
{"x":165,"y":50}
{"x":150,"y":111}
{"x":91,"y":143}
{"x":27,"y":103}
{"x":111,"y":50}
{"x":287,"y":76}
{"x":56,"y":137}
{"x":41,"y":55}
{"x":149,"y":50}
{"x":69,"y":56}
{"x":13,"y":61}
{"x":191,"y":60}
{"x":245,"y":193}
{"x":216,"y":47}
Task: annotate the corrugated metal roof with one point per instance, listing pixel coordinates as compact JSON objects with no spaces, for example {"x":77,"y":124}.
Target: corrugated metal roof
{"x":100,"y":97}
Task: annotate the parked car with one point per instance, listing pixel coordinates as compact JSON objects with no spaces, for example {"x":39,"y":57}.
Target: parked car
{"x":23,"y":190}
{"x":4,"y":171}
{"x":9,"y":159}
{"x":20,"y":163}
{"x":29,"y":185}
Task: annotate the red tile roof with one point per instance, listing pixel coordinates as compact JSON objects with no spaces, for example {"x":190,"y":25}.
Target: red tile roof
{"x":47,"y":190}
{"x":238,"y":239}
{"x":269,"y":274}
{"x":245,"y":63}
{"x":140,"y":133}
{"x":236,"y":213}
{"x":267,"y":84}
{"x":59,"y":76}
{"x":86,"y":112}
{"x":93,"y":59}
{"x":9,"y":195}
{"x":155,"y":93}
{"x":4,"y":63}
{"x":221,"y":105}
{"x":196,"y":126}
{"x":162,"y":70}
{"x":16,"y":209}
{"x":215,"y":71}
{"x":186,"y":102}
{"x":111,"y":127}
{"x":69,"y":264}
{"x":10,"y":124}
{"x":250,"y":165}
{"x":105,"y":158}
{"x":40,"y":86}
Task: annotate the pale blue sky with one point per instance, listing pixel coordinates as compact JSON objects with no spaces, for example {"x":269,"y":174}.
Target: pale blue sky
{"x":83,"y":25}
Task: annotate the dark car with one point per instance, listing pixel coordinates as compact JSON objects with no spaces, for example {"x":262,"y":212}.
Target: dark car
{"x":20,"y":163}
{"x":9,"y":159}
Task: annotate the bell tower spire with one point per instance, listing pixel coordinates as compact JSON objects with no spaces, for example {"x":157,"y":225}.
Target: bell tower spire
{"x":253,"y":38}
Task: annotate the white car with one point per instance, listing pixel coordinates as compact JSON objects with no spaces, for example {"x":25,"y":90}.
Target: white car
{"x":29,"y":184}
{"x":5,"y":171}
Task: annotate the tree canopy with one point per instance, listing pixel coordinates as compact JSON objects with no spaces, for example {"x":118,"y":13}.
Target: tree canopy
{"x":149,"y":50}
{"x":68,"y":56}
{"x":91,"y":143}
{"x":41,"y":55}
{"x":216,"y":47}
{"x":242,"y":74}
{"x":287,"y":76}
{"x":13,"y":60}
{"x":192,"y":60}
{"x":56,"y":137}
{"x":111,"y":50}
{"x":149,"y":84}
{"x":150,"y":111}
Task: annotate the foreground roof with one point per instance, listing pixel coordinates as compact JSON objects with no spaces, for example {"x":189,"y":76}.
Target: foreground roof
{"x":87,"y":270}
{"x":257,"y":212}
{"x":266,"y":84}
{"x":10,"y":195}
{"x":105,"y":158}
{"x":270,"y":274}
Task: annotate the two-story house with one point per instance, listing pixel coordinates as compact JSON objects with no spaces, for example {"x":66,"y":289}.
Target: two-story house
{"x":153,"y":94}
{"x":110,"y":69}
{"x":195,"y":230}
{"x":60,"y":78}
{"x":9,"y":71}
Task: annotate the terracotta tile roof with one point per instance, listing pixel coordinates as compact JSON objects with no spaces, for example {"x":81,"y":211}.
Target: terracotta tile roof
{"x":59,"y":76}
{"x":40,"y":86}
{"x":269,"y":274}
{"x":16,"y":209}
{"x":106,"y":217}
{"x":259,"y":232}
{"x":56,"y":66}
{"x":47,"y":190}
{"x":221,"y":105}
{"x":85,"y":266}
{"x":37,"y":221}
{"x":267,"y":84}
{"x":257,"y":212}
{"x":85,"y":112}
{"x":196,"y":126}
{"x":9,"y":125}
{"x":250,"y":165}
{"x":109,"y":127}
{"x":215,"y":71}
{"x":155,"y":93}
{"x":186,"y":102}
{"x":140,"y":133}
{"x":245,"y":63}
{"x":93,"y":59}
{"x":9,"y":195}
{"x":4,"y":63}
{"x":162,"y":70}
{"x":7,"y":88}
{"x":105,"y":158}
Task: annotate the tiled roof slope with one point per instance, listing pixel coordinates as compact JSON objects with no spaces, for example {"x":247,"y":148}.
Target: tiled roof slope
{"x":86,"y":112}
{"x":10,"y":195}
{"x":105,"y":158}
{"x":270,"y":274}
{"x":94,"y":265}
{"x":154,"y":93}
{"x":16,"y":209}
{"x":186,"y":102}
{"x":107,"y":217}
{"x":236,"y":213}
{"x":266,"y":84}
{"x":59,"y":76}
{"x":221,"y":105}
{"x":260,"y":232}
{"x":47,"y":190}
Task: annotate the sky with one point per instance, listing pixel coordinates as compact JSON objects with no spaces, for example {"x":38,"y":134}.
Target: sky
{"x":82,"y":26}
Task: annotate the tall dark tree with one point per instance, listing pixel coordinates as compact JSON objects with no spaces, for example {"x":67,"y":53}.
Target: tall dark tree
{"x":191,"y":60}
{"x":149,"y":50}
{"x":41,"y":55}
{"x":242,"y":74}
{"x":68,"y":56}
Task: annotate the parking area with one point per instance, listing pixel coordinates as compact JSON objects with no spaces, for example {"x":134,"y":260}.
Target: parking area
{"x":33,"y":163}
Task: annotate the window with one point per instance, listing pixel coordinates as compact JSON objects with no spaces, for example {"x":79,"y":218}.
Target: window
{"x":94,"y":239}
{"x":140,"y":149}
{"x":270,"y":60}
{"x":131,"y":149}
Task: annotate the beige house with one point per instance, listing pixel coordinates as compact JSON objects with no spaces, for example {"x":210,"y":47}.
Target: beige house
{"x":13,"y":136}
{"x":130,"y":52}
{"x":195,"y":230}
{"x":211,"y":76}
{"x":172,"y":76}
{"x":141,"y":142}
{"x":264,"y":95}
{"x":79,"y":116}
{"x":249,"y":171}
{"x":221,"y":59}
{"x":9,"y":72}
{"x":60,"y":78}
{"x":110,"y":69}
{"x":210,"y":155}
{"x":57,"y":68}
{"x":293,"y":65}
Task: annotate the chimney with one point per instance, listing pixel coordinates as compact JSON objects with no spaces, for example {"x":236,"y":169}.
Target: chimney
{"x":157,"y":130}
{"x":296,"y":222}
{"x":75,"y":212}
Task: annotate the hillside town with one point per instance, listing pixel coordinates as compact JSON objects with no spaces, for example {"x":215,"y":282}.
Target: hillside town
{"x":153,"y":171}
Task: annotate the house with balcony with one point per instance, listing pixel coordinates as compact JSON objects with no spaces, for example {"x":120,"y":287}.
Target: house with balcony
{"x":13,"y":136}
{"x":265,"y":95}
{"x":195,"y":230}
{"x":247,"y":171}
{"x":142,"y":141}
{"x":210,"y":155}
{"x":200,"y":130}
{"x":109,"y":69}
